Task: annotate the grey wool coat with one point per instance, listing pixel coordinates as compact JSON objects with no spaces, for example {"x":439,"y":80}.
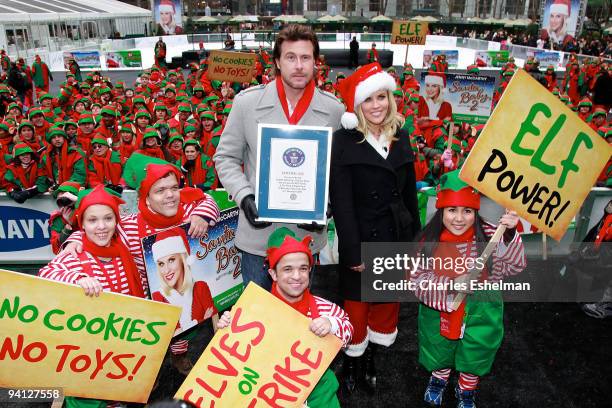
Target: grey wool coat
{"x":238,"y":147}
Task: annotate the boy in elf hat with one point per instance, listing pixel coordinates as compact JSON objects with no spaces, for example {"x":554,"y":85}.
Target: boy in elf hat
{"x":467,"y":338}
{"x":290,"y":262}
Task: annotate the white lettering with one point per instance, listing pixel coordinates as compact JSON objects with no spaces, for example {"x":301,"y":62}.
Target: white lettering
{"x":13,"y":230}
{"x":44,"y":226}
{"x":28,"y":228}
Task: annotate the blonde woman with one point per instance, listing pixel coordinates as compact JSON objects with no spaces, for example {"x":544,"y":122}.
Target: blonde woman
{"x":373,"y":198}
{"x":177,"y":287}
{"x":433,"y":109}
{"x":558,"y":18}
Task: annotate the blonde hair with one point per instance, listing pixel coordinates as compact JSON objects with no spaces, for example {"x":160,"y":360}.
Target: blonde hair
{"x":187,"y":277}
{"x":440,"y":98}
{"x":390,"y":125}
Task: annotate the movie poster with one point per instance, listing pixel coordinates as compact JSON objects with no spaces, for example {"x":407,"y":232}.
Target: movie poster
{"x":560,"y":20}
{"x":168,"y":17}
{"x":85,"y":59}
{"x":495,"y":59}
{"x":546,"y":58}
{"x":452,"y":57}
{"x":123,"y":59}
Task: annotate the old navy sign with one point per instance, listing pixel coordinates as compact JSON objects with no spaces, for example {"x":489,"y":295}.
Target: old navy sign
{"x":23,"y":229}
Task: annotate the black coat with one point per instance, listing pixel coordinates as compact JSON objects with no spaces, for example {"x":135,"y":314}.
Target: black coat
{"x":373,"y":199}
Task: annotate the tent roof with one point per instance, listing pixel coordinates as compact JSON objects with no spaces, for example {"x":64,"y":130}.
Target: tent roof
{"x":66,"y":10}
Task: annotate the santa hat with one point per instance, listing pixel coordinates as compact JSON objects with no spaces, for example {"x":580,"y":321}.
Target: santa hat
{"x":96,"y":196}
{"x":141,"y":172}
{"x":283,"y":241}
{"x":359,"y":86}
{"x":172,"y":241}
{"x":561,"y":7}
{"x":435,"y":78}
{"x":454,"y":192}
{"x":166,"y":6}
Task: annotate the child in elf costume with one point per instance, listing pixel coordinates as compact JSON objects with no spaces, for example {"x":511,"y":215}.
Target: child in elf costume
{"x":290,"y":262}
{"x":467,"y":338}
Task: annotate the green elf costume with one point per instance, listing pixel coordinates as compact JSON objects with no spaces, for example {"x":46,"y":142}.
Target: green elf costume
{"x":467,"y":338}
{"x":280,"y":243}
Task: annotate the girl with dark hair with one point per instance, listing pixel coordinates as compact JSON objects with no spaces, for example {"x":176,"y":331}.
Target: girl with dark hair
{"x":468,"y":337}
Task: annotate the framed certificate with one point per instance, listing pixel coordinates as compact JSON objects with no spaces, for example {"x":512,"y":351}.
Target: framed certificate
{"x":293,"y":173}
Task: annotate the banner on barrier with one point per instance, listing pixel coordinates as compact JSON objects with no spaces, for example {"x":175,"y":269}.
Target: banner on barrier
{"x":491,"y":58}
{"x":109,"y":347}
{"x":536,"y":156}
{"x":202,"y":276}
{"x":257,"y":358}
{"x":85,"y":59}
{"x":470,"y":96}
{"x":123,"y":59}
{"x":546,"y":58}
{"x":452,"y":57}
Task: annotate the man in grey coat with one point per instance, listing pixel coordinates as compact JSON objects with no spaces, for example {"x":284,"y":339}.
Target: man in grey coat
{"x":295,"y":52}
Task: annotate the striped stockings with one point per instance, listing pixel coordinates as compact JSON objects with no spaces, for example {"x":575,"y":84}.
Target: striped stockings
{"x":467,"y":382}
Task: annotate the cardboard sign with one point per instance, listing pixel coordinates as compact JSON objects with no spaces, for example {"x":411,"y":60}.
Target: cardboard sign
{"x":409,"y":32}
{"x":266,"y":357}
{"x":108,"y":347}
{"x":210,"y":264}
{"x":536,"y":156}
{"x":231,"y":66}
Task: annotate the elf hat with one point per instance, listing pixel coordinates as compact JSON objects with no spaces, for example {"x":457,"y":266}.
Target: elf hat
{"x":473,"y":69}
{"x":100,"y":140}
{"x":142,"y":113}
{"x":184,"y":107}
{"x":54,"y":132}
{"x":96,"y":196}
{"x":141,"y":172}
{"x":172,"y":241}
{"x":174,"y":139}
{"x":21,"y":148}
{"x":190,"y":128}
{"x":359,"y":86}
{"x":149,"y":133}
{"x":454,"y":192}
{"x":207,"y":115}
{"x":561,"y":7}
{"x":86,"y":117}
{"x":456,"y":146}
{"x":23,"y":124}
{"x":283,"y":241}
{"x":436,"y":78}
{"x":68,"y":189}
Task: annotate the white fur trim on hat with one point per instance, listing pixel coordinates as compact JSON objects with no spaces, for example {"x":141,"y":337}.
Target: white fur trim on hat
{"x":349,"y":120}
{"x":434,"y":80}
{"x":168,"y":8}
{"x":559,"y":8}
{"x":373,"y":83}
{"x":168,"y":246}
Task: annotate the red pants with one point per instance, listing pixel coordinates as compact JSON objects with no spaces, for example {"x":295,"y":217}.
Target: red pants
{"x":373,"y":322}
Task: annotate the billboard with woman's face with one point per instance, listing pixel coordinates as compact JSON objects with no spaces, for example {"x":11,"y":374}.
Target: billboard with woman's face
{"x":168,"y":17}
{"x":560,"y":20}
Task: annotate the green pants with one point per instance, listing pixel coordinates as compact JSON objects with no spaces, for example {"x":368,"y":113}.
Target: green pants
{"x":324,"y":393}
{"x":475,"y":352}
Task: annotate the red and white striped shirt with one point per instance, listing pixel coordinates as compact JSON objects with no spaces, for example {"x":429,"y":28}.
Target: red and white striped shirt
{"x":68,"y":269}
{"x":129,"y":231}
{"x":507,"y":260}
{"x":341,"y":325}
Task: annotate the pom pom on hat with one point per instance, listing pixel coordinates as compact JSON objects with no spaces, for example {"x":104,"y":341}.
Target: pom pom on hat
{"x":359,"y":86}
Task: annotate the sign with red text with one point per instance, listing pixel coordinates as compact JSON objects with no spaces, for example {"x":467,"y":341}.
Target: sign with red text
{"x":536,"y":157}
{"x":109,"y":347}
{"x":202,"y":276}
{"x":231,"y":66}
{"x":267,"y":357}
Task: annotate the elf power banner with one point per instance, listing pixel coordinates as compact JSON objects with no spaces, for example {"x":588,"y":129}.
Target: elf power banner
{"x":52,"y":335}
{"x":85,"y":59}
{"x":536,"y":156}
{"x":546,"y":58}
{"x":491,"y":58}
{"x":231,"y":66}
{"x":409,"y":32}
{"x":470,"y":96}
{"x":267,"y":357}
{"x":200,"y":275}
{"x":452,"y":57}
{"x":123,"y":59}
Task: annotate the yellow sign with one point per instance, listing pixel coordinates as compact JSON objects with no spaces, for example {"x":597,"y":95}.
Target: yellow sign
{"x":536,"y":156}
{"x":266,"y":357}
{"x":409,"y":32}
{"x":108,"y":347}
{"x":231,"y":66}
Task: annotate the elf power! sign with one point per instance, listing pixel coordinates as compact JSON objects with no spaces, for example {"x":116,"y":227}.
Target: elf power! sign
{"x":536,"y":156}
{"x":24,"y":230}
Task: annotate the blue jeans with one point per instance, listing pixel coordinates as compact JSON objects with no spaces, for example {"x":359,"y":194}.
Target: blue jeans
{"x":253,"y":269}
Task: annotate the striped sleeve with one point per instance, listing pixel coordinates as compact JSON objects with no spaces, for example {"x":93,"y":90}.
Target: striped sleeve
{"x":431,"y":288}
{"x":206,"y":208}
{"x":508,"y":259}
{"x":341,"y":325}
{"x":63,"y":268}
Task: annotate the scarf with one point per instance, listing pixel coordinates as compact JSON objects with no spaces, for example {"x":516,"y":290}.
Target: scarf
{"x":105,"y":170}
{"x":158,"y":221}
{"x":84,"y":140}
{"x":307,"y":306}
{"x":60,"y":161}
{"x":302,"y":105}
{"x":117,"y":249}
{"x":196,"y":173}
{"x":155,"y":151}
{"x":25,"y":175}
{"x":34,"y":145}
{"x":176,"y":154}
{"x":126,"y":150}
{"x":451,"y":323}
{"x":185,"y":300}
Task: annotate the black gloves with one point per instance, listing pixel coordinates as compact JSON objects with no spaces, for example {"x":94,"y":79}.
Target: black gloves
{"x":312,"y":227}
{"x":202,"y":187}
{"x":250,"y":212}
{"x":20,"y":196}
{"x":116,"y":188}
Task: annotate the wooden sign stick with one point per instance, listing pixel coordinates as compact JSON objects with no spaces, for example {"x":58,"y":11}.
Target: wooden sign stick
{"x":475,"y":272}
{"x":451,"y":130}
